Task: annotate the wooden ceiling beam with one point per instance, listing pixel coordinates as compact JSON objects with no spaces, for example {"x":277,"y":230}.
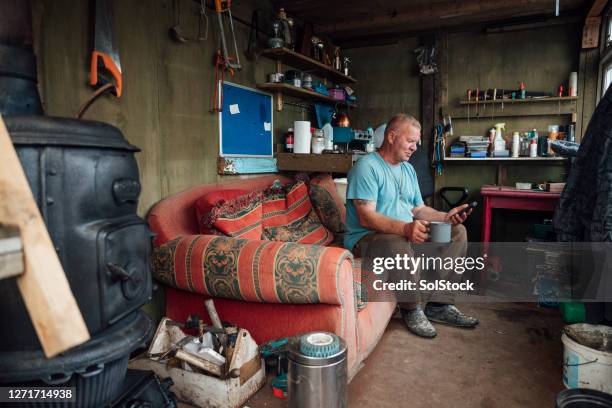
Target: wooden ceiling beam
{"x":394,"y":37}
{"x":444,"y":14}
{"x":597,"y":7}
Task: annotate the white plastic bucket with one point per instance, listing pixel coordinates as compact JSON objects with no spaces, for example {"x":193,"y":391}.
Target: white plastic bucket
{"x":585,"y":367}
{"x":341,"y":184}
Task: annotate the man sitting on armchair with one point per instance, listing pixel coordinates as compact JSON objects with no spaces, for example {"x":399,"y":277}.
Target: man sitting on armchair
{"x":386,"y":216}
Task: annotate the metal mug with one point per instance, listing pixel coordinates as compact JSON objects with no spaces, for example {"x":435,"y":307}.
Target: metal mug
{"x":440,"y":232}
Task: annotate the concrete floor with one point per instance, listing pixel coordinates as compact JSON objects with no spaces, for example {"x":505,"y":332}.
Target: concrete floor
{"x":513,"y":359}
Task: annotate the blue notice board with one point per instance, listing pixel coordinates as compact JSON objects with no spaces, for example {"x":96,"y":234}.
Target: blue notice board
{"x":245,"y":122}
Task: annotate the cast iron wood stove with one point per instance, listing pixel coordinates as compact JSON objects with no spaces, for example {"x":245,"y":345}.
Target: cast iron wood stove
{"x":85,"y":180}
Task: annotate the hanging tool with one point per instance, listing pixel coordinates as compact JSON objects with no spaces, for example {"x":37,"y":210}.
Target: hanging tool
{"x":502,"y":98}
{"x":494,"y":102}
{"x":224,"y":7}
{"x":560,"y":95}
{"x":220,"y":67}
{"x":477,"y":94}
{"x":469,"y":98}
{"x":254,"y":47}
{"x":105,"y":54}
{"x":176,"y":33}
{"x":439,"y":148}
{"x":484,"y":102}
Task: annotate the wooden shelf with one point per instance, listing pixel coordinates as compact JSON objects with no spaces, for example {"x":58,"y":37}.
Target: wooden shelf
{"x":489,"y":110}
{"x":302,"y":93}
{"x":505,"y":159}
{"x":310,"y":65}
{"x":520,"y":101}
{"x":331,"y":163}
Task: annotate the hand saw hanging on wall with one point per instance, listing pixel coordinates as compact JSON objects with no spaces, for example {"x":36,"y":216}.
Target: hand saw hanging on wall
{"x":105,"y":56}
{"x":224,"y":7}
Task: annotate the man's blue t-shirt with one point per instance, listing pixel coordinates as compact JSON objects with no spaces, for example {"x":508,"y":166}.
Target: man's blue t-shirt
{"x":395,"y":190}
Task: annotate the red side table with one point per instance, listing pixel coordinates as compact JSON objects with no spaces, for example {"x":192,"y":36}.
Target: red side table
{"x":514,"y":199}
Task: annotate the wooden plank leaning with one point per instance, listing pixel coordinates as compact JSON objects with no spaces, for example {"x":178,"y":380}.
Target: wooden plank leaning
{"x":43,"y":285}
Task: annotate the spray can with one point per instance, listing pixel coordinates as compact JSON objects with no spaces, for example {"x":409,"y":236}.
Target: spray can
{"x":516,"y":144}
{"x":573,"y":84}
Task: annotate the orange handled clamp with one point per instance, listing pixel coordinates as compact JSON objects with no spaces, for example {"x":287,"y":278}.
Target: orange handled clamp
{"x":105,"y":55}
{"x":222,"y":5}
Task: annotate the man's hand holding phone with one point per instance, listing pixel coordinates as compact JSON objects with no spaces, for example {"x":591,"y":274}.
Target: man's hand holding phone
{"x":459,"y":214}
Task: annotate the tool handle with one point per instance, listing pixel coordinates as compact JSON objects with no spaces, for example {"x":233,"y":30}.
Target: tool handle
{"x":444,"y":190}
{"x":109,"y":64}
{"x":212,"y":312}
{"x":222,"y":5}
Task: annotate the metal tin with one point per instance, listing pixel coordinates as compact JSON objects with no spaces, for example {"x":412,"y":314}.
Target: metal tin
{"x":295,"y":82}
{"x":307,"y":81}
{"x":317,"y":382}
{"x":317,"y":144}
{"x":294,"y":77}
{"x":276,"y":77}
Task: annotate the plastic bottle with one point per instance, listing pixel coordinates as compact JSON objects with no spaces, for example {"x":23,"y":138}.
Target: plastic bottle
{"x":533,"y":148}
{"x":328,"y":134}
{"x":491,"y":140}
{"x":500,"y":143}
{"x":289,"y":141}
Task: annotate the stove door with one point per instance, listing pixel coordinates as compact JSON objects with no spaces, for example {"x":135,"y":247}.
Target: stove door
{"x":124,"y":248}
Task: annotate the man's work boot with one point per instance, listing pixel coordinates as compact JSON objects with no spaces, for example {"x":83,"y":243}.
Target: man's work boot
{"x":417,"y":322}
{"x":449,"y":314}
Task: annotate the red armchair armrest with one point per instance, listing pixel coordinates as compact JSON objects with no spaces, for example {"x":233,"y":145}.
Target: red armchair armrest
{"x":253,"y":270}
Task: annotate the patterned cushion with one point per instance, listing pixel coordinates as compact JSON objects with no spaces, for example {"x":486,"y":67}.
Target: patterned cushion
{"x":326,"y":209}
{"x":329,"y":205}
{"x":251,"y":270}
{"x":239,"y":217}
{"x":288,"y":216}
{"x":208,"y":201}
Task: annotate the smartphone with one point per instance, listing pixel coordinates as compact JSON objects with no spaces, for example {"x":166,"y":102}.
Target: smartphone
{"x":471,"y":205}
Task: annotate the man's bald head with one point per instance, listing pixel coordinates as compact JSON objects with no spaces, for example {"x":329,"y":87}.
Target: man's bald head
{"x":402,"y":136}
{"x":398,"y":121}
